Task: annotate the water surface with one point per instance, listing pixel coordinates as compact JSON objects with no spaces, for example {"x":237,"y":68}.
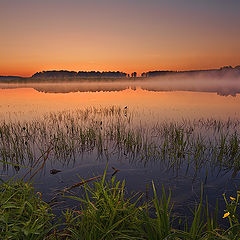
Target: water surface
{"x":143,"y":108}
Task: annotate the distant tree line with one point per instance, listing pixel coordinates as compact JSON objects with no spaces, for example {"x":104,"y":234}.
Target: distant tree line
{"x":214,"y":71}
{"x":80,"y":74}
{"x":56,"y":75}
{"x":156,"y":73}
{"x":101,"y":74}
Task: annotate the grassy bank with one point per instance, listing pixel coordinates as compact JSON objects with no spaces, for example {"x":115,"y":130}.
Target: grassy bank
{"x":103,"y":212}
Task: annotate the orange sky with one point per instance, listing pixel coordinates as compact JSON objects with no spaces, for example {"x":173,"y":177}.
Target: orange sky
{"x":133,"y":35}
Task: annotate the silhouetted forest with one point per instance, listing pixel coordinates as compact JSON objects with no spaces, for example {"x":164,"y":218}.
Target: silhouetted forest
{"x":80,"y":74}
{"x":214,"y":72}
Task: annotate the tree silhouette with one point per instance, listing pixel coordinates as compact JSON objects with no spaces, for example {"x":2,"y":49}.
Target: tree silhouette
{"x":81,"y":74}
{"x":134,"y":75}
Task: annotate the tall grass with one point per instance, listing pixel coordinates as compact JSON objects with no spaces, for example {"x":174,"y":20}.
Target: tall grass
{"x":23,"y":214}
{"x":104,"y":213}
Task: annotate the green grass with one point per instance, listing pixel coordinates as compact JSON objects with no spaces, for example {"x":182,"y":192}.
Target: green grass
{"x":104,"y":212}
{"x":23,"y":215}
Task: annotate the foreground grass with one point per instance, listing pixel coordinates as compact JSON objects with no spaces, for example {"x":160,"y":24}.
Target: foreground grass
{"x":23,"y":215}
{"x":103,"y":212}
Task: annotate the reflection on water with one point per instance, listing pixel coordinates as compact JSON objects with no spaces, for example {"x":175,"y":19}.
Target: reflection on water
{"x":27,"y":103}
{"x":176,"y":138}
{"x":227,"y":86}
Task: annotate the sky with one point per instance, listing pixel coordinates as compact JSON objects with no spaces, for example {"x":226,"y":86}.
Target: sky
{"x":111,"y":35}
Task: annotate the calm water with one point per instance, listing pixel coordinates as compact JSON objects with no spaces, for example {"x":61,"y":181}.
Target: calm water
{"x":145,"y":107}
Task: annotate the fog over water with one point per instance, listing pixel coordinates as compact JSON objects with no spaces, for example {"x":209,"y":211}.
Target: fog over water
{"x":225,"y":85}
{"x":175,"y":95}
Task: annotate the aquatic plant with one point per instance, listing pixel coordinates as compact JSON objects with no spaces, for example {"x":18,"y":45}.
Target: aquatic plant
{"x":104,"y":213}
{"x":104,"y":132}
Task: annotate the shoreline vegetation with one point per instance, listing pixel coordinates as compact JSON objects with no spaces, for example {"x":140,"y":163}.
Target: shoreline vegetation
{"x":103,"y":212}
{"x":81,"y":76}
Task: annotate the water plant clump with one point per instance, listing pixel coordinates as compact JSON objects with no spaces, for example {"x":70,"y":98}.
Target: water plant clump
{"x":104,"y":213}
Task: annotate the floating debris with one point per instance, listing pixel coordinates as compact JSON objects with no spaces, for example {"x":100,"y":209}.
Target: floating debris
{"x":54,"y":171}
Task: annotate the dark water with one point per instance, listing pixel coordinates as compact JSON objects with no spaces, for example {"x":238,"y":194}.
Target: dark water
{"x":147,"y":106}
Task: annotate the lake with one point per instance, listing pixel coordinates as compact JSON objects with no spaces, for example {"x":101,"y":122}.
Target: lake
{"x":177,"y":134}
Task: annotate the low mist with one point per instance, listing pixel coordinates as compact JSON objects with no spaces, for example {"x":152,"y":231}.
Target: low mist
{"x":226,"y":84}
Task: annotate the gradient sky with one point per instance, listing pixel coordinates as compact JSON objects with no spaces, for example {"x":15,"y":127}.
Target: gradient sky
{"x":125,"y":35}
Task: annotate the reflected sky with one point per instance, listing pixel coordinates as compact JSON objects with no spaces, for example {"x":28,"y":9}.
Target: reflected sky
{"x":26,"y":103}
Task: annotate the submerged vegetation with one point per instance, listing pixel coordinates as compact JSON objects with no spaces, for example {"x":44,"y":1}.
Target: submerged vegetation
{"x":115,"y":131}
{"x":103,"y":212}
